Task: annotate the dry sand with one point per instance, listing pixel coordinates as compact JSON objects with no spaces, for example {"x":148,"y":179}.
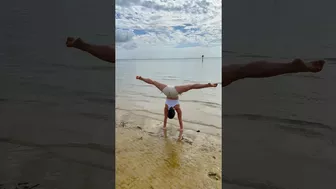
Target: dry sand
{"x":148,"y":157}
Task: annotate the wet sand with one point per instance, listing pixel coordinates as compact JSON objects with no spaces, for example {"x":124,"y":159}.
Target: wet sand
{"x":148,"y":157}
{"x":54,"y":149}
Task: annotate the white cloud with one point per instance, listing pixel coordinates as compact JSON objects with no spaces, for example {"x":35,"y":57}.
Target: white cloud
{"x":123,"y":35}
{"x":167,"y":28}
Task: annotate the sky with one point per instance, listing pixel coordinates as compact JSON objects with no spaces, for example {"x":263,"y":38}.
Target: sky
{"x":149,"y":29}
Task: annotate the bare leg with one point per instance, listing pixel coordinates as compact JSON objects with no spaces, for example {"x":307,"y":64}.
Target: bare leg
{"x":184,"y":88}
{"x":102,"y":52}
{"x":158,"y":85}
{"x":262,"y":69}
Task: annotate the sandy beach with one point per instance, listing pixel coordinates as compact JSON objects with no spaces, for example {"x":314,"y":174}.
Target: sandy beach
{"x":148,"y":157}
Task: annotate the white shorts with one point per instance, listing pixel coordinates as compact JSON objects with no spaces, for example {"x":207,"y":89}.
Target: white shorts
{"x":170,"y":92}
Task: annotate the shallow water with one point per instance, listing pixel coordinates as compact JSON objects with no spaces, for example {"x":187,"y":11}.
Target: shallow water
{"x":201,"y":108}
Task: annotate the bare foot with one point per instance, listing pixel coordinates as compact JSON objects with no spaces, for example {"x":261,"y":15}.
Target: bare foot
{"x":72,"y":42}
{"x":314,"y":66}
{"x":213,"y":84}
{"x":138,"y":77}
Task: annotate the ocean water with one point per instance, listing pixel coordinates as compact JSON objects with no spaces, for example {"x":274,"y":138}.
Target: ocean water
{"x":279,"y":132}
{"x":201,"y":108}
{"x":56,"y":104}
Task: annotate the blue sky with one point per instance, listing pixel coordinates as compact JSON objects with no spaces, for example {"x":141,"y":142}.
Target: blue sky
{"x":168,"y":29}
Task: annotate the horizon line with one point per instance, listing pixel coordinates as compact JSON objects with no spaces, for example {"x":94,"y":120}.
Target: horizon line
{"x":162,"y":58}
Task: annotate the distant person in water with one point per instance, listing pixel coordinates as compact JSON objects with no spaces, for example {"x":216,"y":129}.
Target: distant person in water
{"x":103,"y":52}
{"x":230,"y":73}
{"x":263,"y":69}
{"x":172,"y":97}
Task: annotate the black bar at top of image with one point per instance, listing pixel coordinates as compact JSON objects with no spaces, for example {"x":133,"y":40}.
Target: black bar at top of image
{"x":57,"y":104}
{"x":278,"y":132}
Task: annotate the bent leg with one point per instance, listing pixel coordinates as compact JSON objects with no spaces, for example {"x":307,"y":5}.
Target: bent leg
{"x":157,"y":84}
{"x":184,"y":88}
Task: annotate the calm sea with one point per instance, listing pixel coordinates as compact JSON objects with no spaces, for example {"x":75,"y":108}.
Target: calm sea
{"x":201,"y":108}
{"x":280,"y":132}
{"x":56,"y":104}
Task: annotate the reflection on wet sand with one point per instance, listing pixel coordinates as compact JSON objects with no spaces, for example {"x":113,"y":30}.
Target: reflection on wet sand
{"x":172,"y":150}
{"x":145,"y":161}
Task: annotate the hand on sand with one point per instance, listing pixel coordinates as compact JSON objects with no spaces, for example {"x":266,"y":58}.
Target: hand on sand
{"x":314,"y":66}
{"x":72,"y":42}
{"x":213,"y":84}
{"x":180,"y":137}
{"x":138,"y":77}
{"x":165,"y":132}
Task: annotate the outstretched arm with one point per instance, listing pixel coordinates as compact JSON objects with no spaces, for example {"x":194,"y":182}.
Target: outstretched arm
{"x":262,"y":69}
{"x":102,"y":52}
{"x":165,"y":113}
{"x":179,"y":116}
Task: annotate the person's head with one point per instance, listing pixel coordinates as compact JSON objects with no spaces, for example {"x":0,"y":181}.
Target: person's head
{"x":171,"y":113}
